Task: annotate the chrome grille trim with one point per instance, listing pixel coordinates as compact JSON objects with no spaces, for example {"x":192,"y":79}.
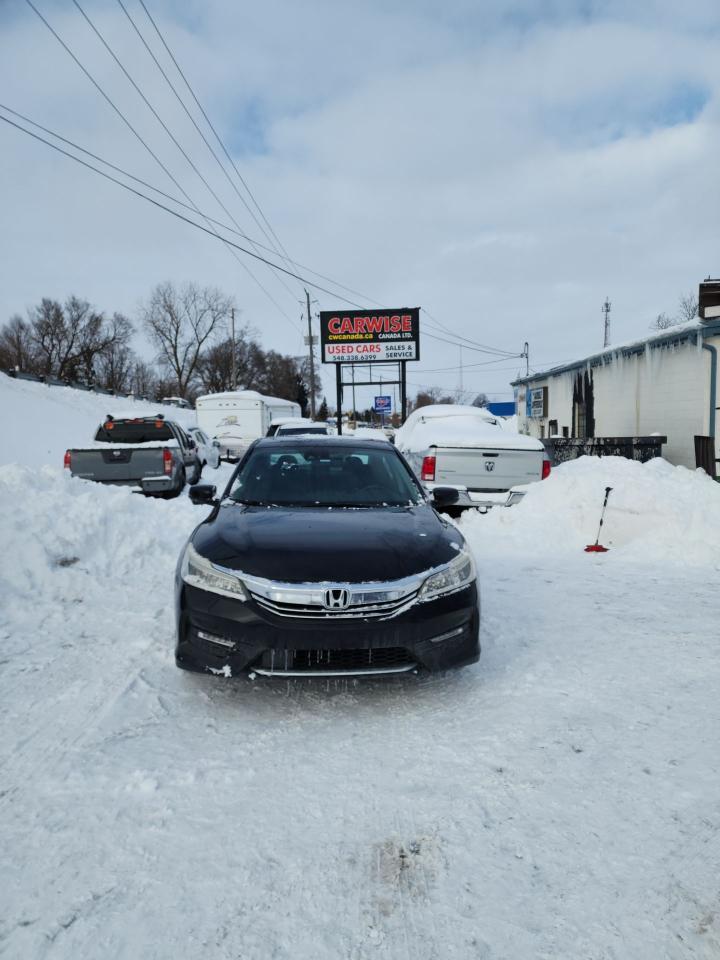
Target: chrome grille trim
{"x":311,"y":611}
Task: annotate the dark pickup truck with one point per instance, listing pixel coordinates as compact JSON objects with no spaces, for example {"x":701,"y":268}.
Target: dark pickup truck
{"x":150,"y":453}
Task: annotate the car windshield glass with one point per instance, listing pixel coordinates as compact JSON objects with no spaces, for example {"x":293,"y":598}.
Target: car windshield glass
{"x":133,"y":431}
{"x":328,"y":475}
{"x":298,"y":431}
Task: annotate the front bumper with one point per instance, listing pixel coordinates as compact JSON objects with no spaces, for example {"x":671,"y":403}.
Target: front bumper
{"x":220,"y":635}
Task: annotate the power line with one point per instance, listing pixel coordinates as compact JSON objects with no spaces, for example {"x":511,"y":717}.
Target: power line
{"x":144,"y":143}
{"x":169,"y":82}
{"x":168,"y":196}
{"x":469,"y":366}
{"x":442,"y":326}
{"x":159,"y":119}
{"x":179,"y":216}
{"x":210,"y":125}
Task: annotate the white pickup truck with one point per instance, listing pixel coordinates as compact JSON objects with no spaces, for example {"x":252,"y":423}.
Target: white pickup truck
{"x":450,"y":445}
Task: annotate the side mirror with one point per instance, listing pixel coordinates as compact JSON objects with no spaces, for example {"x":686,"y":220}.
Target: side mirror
{"x":445,"y":496}
{"x":191,"y":444}
{"x":202,"y":493}
{"x":216,"y":443}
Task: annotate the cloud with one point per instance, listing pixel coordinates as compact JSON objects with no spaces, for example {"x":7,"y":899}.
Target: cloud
{"x":506,"y":165}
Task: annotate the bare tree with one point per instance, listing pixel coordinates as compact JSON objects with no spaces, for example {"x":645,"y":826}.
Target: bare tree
{"x":16,"y":345}
{"x":687,"y":307}
{"x":143,"y":380}
{"x":215,"y":365}
{"x":116,"y":360}
{"x":49,"y":336}
{"x":182,"y":323}
{"x":687,"y":310}
{"x":481,"y":400}
{"x":426,"y":397}
{"x":662,"y":321}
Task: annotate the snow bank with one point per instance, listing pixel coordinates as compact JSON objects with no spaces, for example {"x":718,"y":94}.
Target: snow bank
{"x":56,"y":527}
{"x":656,"y":512}
{"x":41,"y":422}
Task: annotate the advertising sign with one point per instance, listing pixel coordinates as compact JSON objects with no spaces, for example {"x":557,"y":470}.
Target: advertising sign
{"x":362,"y":336}
{"x":537,"y":402}
{"x":383,"y":405}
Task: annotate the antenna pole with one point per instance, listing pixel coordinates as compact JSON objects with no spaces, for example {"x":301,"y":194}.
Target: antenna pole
{"x":606,"y":310}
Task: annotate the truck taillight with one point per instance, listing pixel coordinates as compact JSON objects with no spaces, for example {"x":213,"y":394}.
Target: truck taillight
{"x":167,"y":461}
{"x":67,"y":462}
{"x":428,"y":468}
{"x":545,"y":470}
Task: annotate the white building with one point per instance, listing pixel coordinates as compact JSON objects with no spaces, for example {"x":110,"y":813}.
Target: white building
{"x":664,"y":384}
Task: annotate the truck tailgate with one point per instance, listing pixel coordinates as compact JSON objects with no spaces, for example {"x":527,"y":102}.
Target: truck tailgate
{"x":486,"y":468}
{"x":117,"y":464}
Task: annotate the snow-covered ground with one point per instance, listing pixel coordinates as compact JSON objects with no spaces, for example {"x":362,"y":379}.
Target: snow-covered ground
{"x":557,"y":801}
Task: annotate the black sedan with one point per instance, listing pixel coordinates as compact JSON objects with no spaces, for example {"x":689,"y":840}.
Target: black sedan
{"x":324,"y":557}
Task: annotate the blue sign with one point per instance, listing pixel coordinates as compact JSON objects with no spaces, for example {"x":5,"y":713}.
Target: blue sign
{"x":383,"y":405}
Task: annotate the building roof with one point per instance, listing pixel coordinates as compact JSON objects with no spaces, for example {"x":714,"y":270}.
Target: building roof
{"x":679,"y":333}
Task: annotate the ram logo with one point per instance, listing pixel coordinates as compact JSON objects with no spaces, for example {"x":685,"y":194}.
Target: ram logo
{"x":336,"y":599}
{"x":489,"y":465}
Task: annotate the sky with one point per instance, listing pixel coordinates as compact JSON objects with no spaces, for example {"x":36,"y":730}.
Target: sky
{"x":504,"y":165}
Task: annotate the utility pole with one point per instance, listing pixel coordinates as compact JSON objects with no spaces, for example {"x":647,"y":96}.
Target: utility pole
{"x":233,"y":378}
{"x":311,"y":348}
{"x":461,"y":398}
{"x":526,"y":354}
{"x":606,"y":310}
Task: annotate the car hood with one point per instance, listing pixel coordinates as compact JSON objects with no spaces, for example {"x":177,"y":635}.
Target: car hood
{"x":313,"y":545}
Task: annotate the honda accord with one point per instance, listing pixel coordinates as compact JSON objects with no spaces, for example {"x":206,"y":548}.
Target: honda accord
{"x":325,"y":557}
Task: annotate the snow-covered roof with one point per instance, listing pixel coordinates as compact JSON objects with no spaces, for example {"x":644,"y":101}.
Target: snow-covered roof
{"x":295,"y":421}
{"x":678,"y":332}
{"x":242,"y":395}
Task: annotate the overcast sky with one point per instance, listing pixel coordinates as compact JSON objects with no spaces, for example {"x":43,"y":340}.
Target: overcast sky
{"x":505,"y":165}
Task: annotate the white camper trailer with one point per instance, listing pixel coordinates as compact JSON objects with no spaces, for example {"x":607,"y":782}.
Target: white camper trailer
{"x":238,"y":417}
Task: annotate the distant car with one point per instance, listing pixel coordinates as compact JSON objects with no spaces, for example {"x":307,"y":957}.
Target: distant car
{"x":469,"y":449}
{"x":208,"y":450}
{"x":325,"y":557}
{"x":153,"y":454}
{"x":367,"y":431}
{"x":178,"y":402}
{"x":295,"y":426}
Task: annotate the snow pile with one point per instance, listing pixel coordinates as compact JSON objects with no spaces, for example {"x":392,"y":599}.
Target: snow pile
{"x":41,"y":422}
{"x":56,"y":527}
{"x":656,"y":513}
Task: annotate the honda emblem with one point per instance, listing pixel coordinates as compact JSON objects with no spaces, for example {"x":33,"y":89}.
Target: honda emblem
{"x":336,"y":599}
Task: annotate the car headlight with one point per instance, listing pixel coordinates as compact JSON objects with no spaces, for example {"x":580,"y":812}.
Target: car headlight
{"x":459,"y":573}
{"x":200,"y":573}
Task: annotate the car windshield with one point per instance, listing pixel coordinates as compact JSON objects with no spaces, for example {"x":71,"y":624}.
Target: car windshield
{"x":298,"y":431}
{"x":133,"y":431}
{"x":325,"y":475}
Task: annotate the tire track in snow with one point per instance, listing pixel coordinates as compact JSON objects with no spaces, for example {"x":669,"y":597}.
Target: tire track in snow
{"x":46,"y":748}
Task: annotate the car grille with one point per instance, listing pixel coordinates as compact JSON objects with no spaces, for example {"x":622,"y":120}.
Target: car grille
{"x":374,"y":658}
{"x":315,"y":611}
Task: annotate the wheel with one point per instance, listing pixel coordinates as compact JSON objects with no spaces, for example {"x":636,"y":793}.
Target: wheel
{"x":196,"y":475}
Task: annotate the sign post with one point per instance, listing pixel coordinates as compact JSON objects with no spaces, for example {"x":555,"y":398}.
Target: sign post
{"x":370,"y":337}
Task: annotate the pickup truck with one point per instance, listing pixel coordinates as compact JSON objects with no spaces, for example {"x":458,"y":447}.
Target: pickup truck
{"x":150,"y":453}
{"x":450,"y":445}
